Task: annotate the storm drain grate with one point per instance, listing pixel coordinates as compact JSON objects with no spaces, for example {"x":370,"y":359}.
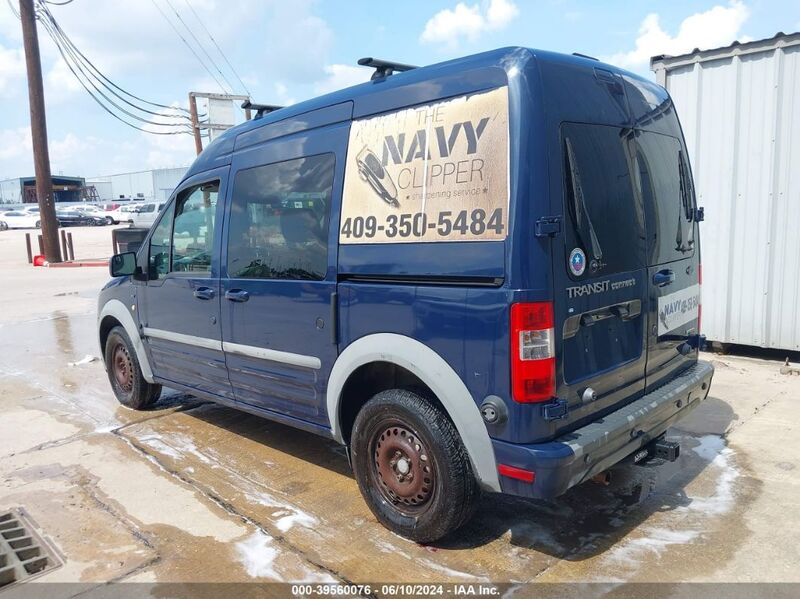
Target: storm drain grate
{"x":23,"y":553}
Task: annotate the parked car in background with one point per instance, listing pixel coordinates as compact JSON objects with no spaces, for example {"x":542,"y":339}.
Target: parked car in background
{"x":91,"y":210}
{"x":76,"y":218}
{"x":20,"y":219}
{"x":123,"y":213}
{"x":145,"y":215}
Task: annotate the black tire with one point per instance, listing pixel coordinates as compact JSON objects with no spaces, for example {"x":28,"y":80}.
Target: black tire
{"x":411,"y":466}
{"x":125,"y":374}
{"x":38,"y":224}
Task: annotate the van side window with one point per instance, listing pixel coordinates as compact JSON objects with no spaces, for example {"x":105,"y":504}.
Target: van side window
{"x":193,"y":232}
{"x":280,"y":215}
{"x":605,"y":215}
{"x":160,"y":247}
{"x":666,"y":188}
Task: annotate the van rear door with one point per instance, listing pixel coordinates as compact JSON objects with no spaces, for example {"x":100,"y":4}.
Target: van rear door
{"x":673,"y":271}
{"x":601,"y":290}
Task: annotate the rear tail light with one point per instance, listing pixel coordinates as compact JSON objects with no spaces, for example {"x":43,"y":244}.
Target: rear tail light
{"x":533,"y":362}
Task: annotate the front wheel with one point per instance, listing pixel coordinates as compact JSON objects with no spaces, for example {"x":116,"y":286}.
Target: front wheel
{"x":125,"y":374}
{"x":411,"y":466}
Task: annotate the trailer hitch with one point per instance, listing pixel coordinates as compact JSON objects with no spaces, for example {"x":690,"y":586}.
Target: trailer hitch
{"x":657,"y":452}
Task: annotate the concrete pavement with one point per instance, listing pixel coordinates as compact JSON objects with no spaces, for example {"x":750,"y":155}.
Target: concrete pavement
{"x":190,"y":491}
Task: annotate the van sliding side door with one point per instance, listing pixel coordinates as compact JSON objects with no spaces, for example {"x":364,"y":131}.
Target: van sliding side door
{"x":279,"y":312}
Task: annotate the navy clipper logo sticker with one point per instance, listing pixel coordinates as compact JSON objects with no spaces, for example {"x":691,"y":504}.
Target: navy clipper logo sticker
{"x":372,"y":171}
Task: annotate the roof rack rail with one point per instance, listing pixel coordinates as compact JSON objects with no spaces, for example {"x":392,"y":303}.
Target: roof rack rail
{"x":584,"y":56}
{"x":261,"y":109}
{"x":384,"y":68}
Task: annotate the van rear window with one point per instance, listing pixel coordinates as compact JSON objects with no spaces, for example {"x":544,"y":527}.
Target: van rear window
{"x":666,"y":187}
{"x":605,"y":221}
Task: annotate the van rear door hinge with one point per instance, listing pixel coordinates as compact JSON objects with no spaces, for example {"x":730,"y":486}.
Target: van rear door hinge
{"x":548,"y":226}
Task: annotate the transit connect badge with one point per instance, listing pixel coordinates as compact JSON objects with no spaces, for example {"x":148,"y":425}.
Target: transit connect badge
{"x":577,"y":262}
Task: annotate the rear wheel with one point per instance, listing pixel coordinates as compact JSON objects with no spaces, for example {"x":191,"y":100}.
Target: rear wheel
{"x":125,"y":373}
{"x":412,"y":467}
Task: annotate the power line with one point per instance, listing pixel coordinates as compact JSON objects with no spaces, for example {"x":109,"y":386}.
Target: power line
{"x":13,"y":8}
{"x":200,"y":45}
{"x":224,"y":57}
{"x":103,"y":106}
{"x":72,"y":63}
{"x":183,"y":39}
{"x":106,"y":82}
{"x":88,"y":69}
{"x":95,"y":73}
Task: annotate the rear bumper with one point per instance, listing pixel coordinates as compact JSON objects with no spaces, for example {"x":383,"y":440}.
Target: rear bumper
{"x":577,"y":456}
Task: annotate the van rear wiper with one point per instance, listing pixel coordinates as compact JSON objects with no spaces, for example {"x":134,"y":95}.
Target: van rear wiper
{"x":583,"y":224}
{"x":684,"y":239}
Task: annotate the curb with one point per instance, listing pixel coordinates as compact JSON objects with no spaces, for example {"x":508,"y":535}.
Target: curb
{"x":77,"y":263}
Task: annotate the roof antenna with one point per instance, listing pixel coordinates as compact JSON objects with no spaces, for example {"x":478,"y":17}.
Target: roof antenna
{"x":384,"y":68}
{"x":261,"y":109}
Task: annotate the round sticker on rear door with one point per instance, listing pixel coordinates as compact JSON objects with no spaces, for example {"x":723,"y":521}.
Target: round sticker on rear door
{"x":577,"y":262}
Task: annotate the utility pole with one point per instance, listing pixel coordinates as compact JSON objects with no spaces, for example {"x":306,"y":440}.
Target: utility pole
{"x":197,"y":126}
{"x":41,"y":154}
{"x":198,"y":142}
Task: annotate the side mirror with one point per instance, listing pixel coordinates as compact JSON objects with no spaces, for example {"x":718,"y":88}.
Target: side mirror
{"x":122,"y":265}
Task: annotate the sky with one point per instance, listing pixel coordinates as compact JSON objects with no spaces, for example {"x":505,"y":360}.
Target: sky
{"x":288,"y":51}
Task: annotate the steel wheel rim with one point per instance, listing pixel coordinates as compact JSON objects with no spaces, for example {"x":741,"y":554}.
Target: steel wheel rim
{"x":122,"y":368}
{"x":402,"y":467}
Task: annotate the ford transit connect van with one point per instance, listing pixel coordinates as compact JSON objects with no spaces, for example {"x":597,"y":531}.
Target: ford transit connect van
{"x":480,"y":275}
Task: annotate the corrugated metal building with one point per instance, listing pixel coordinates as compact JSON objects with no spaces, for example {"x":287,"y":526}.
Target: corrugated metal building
{"x":156,"y":184}
{"x":740,"y":111}
{"x":105,"y":191}
{"x":23,"y":189}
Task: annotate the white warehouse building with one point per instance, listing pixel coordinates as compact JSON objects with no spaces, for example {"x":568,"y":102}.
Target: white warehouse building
{"x":156,"y":184}
{"x":740,"y":111}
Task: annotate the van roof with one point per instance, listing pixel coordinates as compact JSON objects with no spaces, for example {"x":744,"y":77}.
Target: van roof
{"x":421,"y":85}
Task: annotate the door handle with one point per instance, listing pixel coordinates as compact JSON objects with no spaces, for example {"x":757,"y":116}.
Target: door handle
{"x":663,"y":278}
{"x":204,"y":293}
{"x":625,"y":311}
{"x":592,"y":318}
{"x":237,"y":295}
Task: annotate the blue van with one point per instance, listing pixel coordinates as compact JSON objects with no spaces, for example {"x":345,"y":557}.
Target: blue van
{"x":480,"y":275}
